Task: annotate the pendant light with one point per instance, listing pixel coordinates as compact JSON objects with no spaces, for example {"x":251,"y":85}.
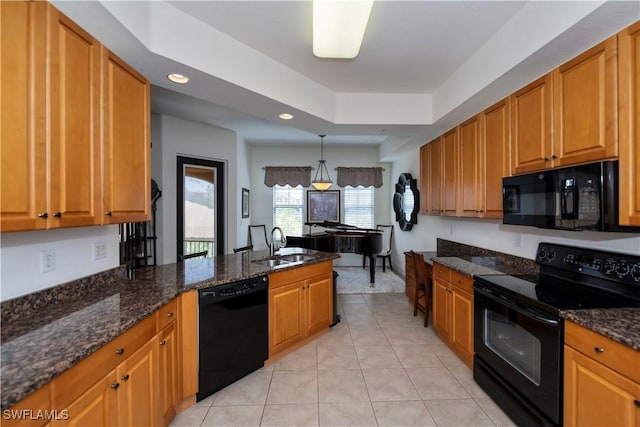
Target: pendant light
{"x":321,"y":181}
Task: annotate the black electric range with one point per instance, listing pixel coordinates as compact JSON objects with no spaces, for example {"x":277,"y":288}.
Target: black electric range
{"x":519,"y":333}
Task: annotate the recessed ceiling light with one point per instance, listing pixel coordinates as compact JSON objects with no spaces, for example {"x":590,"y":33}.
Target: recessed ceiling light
{"x":178,"y":78}
{"x":286,"y":116}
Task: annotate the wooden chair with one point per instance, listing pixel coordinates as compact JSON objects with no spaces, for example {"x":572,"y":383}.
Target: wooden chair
{"x":385,"y":253}
{"x":258,"y":237}
{"x":422,"y":291}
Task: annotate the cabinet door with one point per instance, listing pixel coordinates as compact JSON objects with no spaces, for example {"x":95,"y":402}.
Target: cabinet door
{"x":494,"y":156}
{"x":96,"y":407}
{"x":127,"y":148}
{"x":74,"y":130}
{"x":585,"y":106}
{"x":470,"y":187}
{"x":441,"y":308}
{"x":168,"y":372}
{"x":22,"y":116}
{"x":450,"y":173}
{"x":137,"y":394}
{"x":319,"y":303}
{"x":286,"y":316}
{"x":462,"y":324}
{"x":425,"y":164}
{"x":531,"y":136}
{"x":629,"y":104}
{"x":594,"y":395}
{"x":435,"y":177}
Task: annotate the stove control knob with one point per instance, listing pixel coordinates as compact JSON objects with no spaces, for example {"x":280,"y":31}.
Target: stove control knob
{"x":635,"y":272}
{"x":551,"y":255}
{"x":609,"y":266}
{"x":622,"y":269}
{"x":542,"y":254}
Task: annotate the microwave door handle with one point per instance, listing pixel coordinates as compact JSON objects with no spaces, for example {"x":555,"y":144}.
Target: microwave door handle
{"x":569,"y":198}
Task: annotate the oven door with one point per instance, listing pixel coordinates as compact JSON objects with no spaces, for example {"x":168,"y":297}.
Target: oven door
{"x":523,"y":347}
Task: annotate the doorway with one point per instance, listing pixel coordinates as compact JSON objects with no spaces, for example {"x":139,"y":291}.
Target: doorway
{"x":201,"y":207}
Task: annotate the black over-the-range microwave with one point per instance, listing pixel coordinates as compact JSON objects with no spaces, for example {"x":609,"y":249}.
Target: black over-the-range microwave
{"x":583,"y":197}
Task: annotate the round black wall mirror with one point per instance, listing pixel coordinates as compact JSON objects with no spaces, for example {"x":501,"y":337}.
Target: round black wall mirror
{"x":406,"y":201}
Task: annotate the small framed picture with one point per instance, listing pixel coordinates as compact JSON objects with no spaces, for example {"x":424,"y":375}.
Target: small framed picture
{"x":323,"y":206}
{"x":245,"y":203}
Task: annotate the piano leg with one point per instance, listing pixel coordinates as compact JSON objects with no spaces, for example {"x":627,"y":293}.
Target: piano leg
{"x":372,"y":269}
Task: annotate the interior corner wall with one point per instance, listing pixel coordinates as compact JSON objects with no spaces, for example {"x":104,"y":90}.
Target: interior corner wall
{"x":173,"y":137}
{"x":285,"y":155}
{"x":492,"y":234}
{"x":243,"y":177}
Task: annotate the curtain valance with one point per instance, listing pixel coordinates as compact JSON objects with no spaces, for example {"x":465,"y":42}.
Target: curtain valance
{"x":283,"y":175}
{"x":360,"y":176}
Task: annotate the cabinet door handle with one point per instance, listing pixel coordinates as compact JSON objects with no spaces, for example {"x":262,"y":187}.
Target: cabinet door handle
{"x":554,"y":157}
{"x":598,"y":350}
{"x":546,"y":159}
{"x":57,"y":214}
{"x":170,"y":314}
{"x":125,"y":377}
{"x":120,"y":351}
{"x":637,"y":403}
{"x":163,"y":342}
{"x":108,"y":213}
{"x":43,"y":215}
{"x":115,"y":386}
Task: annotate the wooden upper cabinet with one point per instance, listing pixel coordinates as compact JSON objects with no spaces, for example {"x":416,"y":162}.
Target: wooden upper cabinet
{"x":74,"y":128}
{"x":450,"y":173}
{"x":494,"y":156}
{"x":585,"y":106}
{"x":22,"y":116}
{"x":531,"y":126}
{"x":435,"y":177}
{"x":126,"y":143}
{"x":629,"y":106}
{"x":470,"y":188}
{"x":425,"y":160}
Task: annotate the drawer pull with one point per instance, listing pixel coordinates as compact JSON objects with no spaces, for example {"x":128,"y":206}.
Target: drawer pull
{"x":108,"y":213}
{"x":125,"y":377}
{"x":43,"y":215}
{"x":170,"y":314}
{"x":120,"y":351}
{"x":598,"y":350}
{"x":637,"y":403}
{"x":115,"y":386}
{"x":163,"y":342}
{"x":57,"y":214}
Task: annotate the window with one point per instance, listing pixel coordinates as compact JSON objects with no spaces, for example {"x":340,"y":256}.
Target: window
{"x":288,"y":209}
{"x":359,"y":207}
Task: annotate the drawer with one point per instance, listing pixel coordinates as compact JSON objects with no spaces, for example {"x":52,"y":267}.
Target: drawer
{"x":461,"y":281}
{"x":79,"y":378}
{"x":292,"y":275}
{"x":612,"y":354}
{"x":441,"y":272}
{"x":39,"y":400}
{"x":167,"y":314}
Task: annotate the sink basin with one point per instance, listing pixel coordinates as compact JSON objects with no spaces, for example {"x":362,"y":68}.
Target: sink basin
{"x":271,"y":262}
{"x":298,"y":257}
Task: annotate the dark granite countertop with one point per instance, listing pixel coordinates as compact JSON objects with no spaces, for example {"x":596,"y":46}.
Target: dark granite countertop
{"x":45,"y":333}
{"x":475,"y":266}
{"x":619,"y":324}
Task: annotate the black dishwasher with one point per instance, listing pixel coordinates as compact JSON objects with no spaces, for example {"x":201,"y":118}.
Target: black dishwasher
{"x":232,"y":333}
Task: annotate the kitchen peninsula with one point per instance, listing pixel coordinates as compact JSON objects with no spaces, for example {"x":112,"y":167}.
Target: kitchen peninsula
{"x":46,"y":334}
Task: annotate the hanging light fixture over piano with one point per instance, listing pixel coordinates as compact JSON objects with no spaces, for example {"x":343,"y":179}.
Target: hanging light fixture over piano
{"x":322,"y":181}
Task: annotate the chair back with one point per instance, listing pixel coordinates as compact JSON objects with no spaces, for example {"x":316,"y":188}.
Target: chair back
{"x":420,"y":269}
{"x":387,"y":238}
{"x":258,"y":237}
{"x":243,"y":249}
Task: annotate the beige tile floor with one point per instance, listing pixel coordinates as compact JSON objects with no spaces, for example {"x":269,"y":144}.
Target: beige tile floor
{"x":378,"y":367}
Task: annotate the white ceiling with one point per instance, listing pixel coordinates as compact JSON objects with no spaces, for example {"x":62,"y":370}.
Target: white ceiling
{"x":423,"y":66}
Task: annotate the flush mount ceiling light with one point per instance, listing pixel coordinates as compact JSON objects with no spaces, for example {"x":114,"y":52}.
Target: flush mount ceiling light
{"x":321,"y":181}
{"x":339,"y":26}
{"x":178,"y":78}
{"x":286,"y":116}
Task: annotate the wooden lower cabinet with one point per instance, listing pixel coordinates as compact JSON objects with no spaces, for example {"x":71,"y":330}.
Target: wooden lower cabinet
{"x":168,"y":373}
{"x":453,"y":310}
{"x":300,"y":305}
{"x":138,"y":390}
{"x":95,"y":407}
{"x":601,"y":380}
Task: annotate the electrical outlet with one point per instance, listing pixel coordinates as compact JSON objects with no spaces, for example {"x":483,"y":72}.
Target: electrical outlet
{"x":99,"y":250}
{"x":47,"y":261}
{"x":518,"y":241}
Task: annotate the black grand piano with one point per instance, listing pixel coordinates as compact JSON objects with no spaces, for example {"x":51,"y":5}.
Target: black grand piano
{"x":342,"y":238}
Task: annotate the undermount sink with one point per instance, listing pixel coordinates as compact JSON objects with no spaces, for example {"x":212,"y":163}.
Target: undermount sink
{"x":271,"y":262}
{"x":298,"y":257}
{"x":283,"y":260}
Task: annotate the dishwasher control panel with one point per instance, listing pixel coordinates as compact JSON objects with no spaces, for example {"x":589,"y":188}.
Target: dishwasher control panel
{"x":236,"y":288}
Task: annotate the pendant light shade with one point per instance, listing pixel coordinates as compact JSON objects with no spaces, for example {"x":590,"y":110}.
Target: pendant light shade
{"x":321,"y":180}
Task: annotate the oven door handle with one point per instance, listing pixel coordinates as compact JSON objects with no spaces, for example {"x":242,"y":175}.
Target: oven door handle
{"x":523,"y":310}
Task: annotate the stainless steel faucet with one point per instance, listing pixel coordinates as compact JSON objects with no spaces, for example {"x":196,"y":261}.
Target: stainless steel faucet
{"x":283,"y":240}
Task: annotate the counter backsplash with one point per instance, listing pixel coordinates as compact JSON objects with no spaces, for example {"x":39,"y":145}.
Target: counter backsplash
{"x":505,"y":263}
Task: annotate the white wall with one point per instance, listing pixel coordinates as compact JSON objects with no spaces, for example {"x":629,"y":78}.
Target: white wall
{"x":171,"y":137}
{"x":243,"y":176}
{"x":492,"y":234}
{"x":364,"y":156}
{"x":20,"y":257}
